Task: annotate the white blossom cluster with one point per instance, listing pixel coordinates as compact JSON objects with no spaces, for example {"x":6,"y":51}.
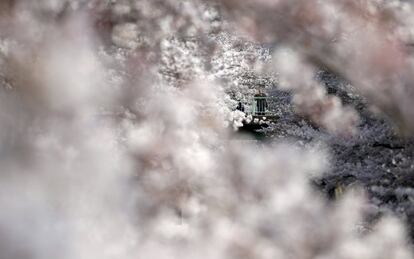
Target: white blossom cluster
{"x":101,"y":158}
{"x":182,"y":61}
{"x":237,"y":64}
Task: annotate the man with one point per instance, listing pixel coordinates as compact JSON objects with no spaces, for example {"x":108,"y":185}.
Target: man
{"x":240,"y":107}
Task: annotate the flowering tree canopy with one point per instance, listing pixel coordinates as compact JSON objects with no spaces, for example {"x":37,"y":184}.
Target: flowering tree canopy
{"x":117,"y":126}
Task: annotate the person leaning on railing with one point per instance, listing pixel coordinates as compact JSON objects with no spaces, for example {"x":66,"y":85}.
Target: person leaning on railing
{"x":240,"y":107}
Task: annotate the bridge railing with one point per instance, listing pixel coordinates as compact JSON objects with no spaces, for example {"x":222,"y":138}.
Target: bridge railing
{"x":262,"y":106}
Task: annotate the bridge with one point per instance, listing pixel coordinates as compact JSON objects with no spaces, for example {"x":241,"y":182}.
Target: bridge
{"x":264,"y":110}
{"x":260,"y":107}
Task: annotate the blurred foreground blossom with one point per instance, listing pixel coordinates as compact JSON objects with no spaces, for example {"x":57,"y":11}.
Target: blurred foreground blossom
{"x":102,"y":156}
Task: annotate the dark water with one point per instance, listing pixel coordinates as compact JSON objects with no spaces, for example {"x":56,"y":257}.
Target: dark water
{"x":253,"y":131}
